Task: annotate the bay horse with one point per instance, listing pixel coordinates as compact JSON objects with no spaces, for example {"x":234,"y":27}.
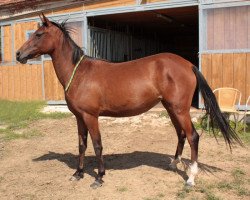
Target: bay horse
{"x":96,"y":88}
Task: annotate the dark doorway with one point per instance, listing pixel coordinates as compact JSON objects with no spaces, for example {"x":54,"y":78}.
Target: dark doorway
{"x":128,"y":36}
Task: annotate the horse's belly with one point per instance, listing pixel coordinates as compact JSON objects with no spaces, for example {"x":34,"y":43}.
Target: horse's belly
{"x":129,"y":109}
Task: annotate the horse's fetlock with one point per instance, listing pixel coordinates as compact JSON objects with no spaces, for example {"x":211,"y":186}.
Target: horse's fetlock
{"x":79,"y":170}
{"x":101,"y":173}
{"x":98,"y":148}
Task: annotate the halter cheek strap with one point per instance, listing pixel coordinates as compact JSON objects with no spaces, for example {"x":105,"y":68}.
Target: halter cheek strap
{"x":73,"y":74}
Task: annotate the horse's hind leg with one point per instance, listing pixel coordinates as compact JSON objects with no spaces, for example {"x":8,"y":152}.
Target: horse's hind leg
{"x":184,"y":128}
{"x":181,"y":141}
{"x":193,"y":139}
{"x":181,"y":138}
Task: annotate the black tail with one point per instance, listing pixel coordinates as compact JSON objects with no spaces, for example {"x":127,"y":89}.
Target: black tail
{"x":213,"y":110}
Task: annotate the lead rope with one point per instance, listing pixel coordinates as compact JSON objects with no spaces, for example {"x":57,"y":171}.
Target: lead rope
{"x":73,"y":74}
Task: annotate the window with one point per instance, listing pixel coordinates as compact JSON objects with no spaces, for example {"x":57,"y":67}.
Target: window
{"x":6,"y":44}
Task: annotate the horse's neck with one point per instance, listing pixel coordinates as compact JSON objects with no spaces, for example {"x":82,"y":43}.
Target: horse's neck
{"x":62,"y":61}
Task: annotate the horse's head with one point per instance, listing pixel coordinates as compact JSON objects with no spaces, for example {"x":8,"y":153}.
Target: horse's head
{"x":42,"y":41}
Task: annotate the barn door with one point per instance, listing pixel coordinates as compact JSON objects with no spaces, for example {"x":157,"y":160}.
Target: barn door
{"x":98,"y":40}
{"x":110,"y":45}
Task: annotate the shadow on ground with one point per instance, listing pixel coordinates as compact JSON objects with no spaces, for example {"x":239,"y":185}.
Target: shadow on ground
{"x":124,"y":161}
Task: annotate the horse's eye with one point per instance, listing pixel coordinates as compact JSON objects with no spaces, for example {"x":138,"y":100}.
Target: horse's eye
{"x":39,"y":34}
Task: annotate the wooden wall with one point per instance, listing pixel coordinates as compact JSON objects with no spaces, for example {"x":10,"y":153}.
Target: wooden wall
{"x":21,"y":82}
{"x":24,"y":82}
{"x":53,"y":89}
{"x":107,"y":4}
{"x":228,"y":70}
{"x":7,"y":43}
{"x":228,"y":28}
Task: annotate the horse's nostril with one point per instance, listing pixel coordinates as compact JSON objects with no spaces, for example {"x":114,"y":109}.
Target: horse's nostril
{"x":17,"y":53}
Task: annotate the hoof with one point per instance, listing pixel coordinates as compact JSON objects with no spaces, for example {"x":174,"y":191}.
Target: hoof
{"x":96,"y":184}
{"x":77,"y":176}
{"x":190,"y":183}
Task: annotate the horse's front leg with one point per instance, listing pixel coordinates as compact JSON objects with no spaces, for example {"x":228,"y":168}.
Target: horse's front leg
{"x":82,"y":136}
{"x":93,"y":127}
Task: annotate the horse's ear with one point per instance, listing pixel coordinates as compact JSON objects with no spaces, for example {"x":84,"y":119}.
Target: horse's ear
{"x":38,"y":25}
{"x":41,"y":18}
{"x":45,"y":20}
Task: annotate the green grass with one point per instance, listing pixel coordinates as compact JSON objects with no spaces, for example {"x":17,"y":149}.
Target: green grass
{"x":164,"y":114}
{"x":183,"y":193}
{"x":237,"y":185}
{"x":159,"y":196}
{"x":10,"y":134}
{"x":122,"y":189}
{"x":238,"y":174}
{"x":208,"y":190}
{"x":15,"y":116}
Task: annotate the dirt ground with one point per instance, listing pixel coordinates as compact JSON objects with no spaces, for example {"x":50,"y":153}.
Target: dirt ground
{"x":137,"y":152}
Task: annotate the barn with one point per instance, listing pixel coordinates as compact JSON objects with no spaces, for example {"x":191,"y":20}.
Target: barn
{"x":213,"y":34}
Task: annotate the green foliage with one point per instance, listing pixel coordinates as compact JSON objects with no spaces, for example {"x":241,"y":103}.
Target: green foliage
{"x":202,"y":125}
{"x":245,"y":136}
{"x":18,"y":115}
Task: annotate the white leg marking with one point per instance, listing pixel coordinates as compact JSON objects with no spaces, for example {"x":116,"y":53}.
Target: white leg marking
{"x":194,"y":170}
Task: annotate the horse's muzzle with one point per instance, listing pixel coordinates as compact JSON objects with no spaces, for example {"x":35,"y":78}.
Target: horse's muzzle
{"x":20,"y":58}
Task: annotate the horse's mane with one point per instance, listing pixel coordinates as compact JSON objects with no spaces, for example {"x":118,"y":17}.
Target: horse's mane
{"x":77,"y":51}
